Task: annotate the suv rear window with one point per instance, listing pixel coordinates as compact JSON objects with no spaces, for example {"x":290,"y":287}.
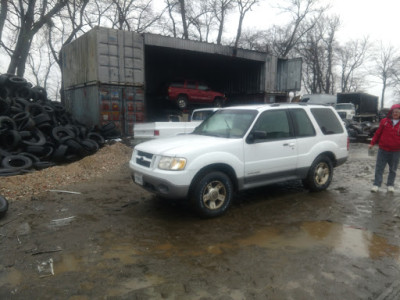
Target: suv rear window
{"x":303,"y":126}
{"x":327,"y":120}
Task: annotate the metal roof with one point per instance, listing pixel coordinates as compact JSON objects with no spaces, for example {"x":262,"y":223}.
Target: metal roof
{"x":189,"y":45}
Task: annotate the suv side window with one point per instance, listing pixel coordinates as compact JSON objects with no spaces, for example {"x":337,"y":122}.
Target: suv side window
{"x":203,"y":87}
{"x":190,"y":84}
{"x":302,"y":124}
{"x":275,"y":124}
{"x":327,"y":121}
{"x":177,"y":84}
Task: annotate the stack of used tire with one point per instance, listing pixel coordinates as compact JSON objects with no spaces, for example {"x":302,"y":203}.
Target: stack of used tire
{"x":36,"y":132}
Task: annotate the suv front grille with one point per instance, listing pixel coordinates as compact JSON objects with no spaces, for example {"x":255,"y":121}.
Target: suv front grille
{"x":144,"y":158}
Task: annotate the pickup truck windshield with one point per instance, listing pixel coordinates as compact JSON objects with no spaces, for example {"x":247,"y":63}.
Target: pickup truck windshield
{"x":344,"y":106}
{"x":230,"y":123}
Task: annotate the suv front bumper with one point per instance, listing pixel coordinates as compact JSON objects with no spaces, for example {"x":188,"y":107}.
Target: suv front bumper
{"x":160,"y":186}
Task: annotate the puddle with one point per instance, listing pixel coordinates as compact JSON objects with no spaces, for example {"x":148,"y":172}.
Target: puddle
{"x":342,"y":239}
{"x":337,"y":238}
{"x":12,"y":278}
{"x":135,"y":284}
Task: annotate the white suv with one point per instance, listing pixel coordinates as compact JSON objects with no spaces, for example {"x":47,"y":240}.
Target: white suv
{"x":242,"y":147}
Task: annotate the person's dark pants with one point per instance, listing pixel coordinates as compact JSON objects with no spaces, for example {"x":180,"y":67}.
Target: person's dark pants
{"x":392,"y":160}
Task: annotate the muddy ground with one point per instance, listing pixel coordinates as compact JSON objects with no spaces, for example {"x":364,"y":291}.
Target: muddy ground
{"x":111,"y":240}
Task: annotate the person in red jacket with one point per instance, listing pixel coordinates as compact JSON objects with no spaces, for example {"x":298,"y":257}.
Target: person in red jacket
{"x":387,"y":137}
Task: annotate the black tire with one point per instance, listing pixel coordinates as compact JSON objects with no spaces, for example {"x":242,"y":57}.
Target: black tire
{"x":319,"y":175}
{"x":16,"y":80}
{"x":182,"y":101}
{"x":3,"y":206}
{"x":60,"y":153}
{"x":212,"y":194}
{"x":98,"y":138}
{"x":41,"y":118}
{"x":16,"y":162}
{"x":218,"y":102}
{"x":4,"y":107}
{"x":107,"y":127}
{"x":60,"y":132}
{"x":37,"y":139}
{"x":43,"y":165}
{"x":32,"y":157}
{"x":90,"y":145}
{"x":7,"y":123}
{"x":34,"y":109}
{"x":23,"y":92}
{"x":9,"y":172}
{"x":10,"y":139}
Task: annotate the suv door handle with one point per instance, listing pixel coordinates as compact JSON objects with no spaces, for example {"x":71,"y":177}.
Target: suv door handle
{"x":289,"y":144}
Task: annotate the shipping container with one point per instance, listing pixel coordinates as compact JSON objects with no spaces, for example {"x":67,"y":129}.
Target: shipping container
{"x":97,"y":105}
{"x":106,"y":56}
{"x":102,"y":66}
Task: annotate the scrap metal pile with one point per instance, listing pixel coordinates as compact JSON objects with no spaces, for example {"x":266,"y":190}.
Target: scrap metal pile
{"x":360,"y":131}
{"x":36,"y":132}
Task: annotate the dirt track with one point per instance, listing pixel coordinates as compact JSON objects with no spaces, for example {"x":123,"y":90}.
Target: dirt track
{"x":112,"y":240}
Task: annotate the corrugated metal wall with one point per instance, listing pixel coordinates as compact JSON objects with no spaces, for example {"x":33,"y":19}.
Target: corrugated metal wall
{"x":108,"y":56}
{"x":97,"y":105}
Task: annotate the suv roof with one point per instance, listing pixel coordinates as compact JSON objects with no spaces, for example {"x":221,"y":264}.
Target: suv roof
{"x":283,"y":105}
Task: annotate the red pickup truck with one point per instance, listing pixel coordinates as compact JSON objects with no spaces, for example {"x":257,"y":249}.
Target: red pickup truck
{"x":186,"y":92}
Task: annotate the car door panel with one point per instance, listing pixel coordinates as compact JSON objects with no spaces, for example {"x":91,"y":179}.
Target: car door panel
{"x":274,"y":157}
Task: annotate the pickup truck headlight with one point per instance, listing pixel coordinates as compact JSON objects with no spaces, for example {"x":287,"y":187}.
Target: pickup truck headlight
{"x":172,"y":163}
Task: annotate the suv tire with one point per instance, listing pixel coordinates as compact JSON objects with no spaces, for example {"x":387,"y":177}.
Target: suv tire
{"x":212,"y":194}
{"x":319,"y":175}
{"x":182,"y":101}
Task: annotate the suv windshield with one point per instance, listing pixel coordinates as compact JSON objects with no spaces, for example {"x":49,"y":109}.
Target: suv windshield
{"x":230,"y":123}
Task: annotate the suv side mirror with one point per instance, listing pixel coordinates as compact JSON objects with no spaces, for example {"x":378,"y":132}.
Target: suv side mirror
{"x":256,"y":135}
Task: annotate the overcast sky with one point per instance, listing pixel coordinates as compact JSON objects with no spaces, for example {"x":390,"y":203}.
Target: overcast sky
{"x":377,"y":19}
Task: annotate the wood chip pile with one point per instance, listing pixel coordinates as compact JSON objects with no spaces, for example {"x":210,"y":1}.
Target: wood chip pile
{"x":106,"y":160}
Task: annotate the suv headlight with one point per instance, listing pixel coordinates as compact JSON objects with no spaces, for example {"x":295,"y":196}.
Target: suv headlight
{"x":172,"y":163}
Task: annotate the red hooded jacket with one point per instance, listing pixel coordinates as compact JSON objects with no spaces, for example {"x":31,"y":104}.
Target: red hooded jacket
{"x":387,"y":136}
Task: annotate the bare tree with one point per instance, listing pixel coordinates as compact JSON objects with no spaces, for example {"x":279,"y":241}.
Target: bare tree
{"x":30,"y":18}
{"x":69,"y":25}
{"x":244,"y":6}
{"x":351,"y":57}
{"x":220,"y":9}
{"x":131,"y":15}
{"x":304,"y":15}
{"x":197,"y":19}
{"x":333,"y":24}
{"x":3,"y":16}
{"x":199,"y":15}
{"x":386,"y":68}
{"x":41,"y":63}
{"x":171,"y":7}
{"x":184,"y":22}
{"x":121,"y":19}
{"x":316,"y":49}
{"x":96,"y":13}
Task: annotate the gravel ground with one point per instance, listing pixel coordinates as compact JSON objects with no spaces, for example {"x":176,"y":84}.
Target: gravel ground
{"x":105,"y":160}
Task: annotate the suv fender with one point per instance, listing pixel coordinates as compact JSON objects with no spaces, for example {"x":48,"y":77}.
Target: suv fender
{"x":218,"y":158}
{"x":318,"y":149}
{"x":217,"y":167}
